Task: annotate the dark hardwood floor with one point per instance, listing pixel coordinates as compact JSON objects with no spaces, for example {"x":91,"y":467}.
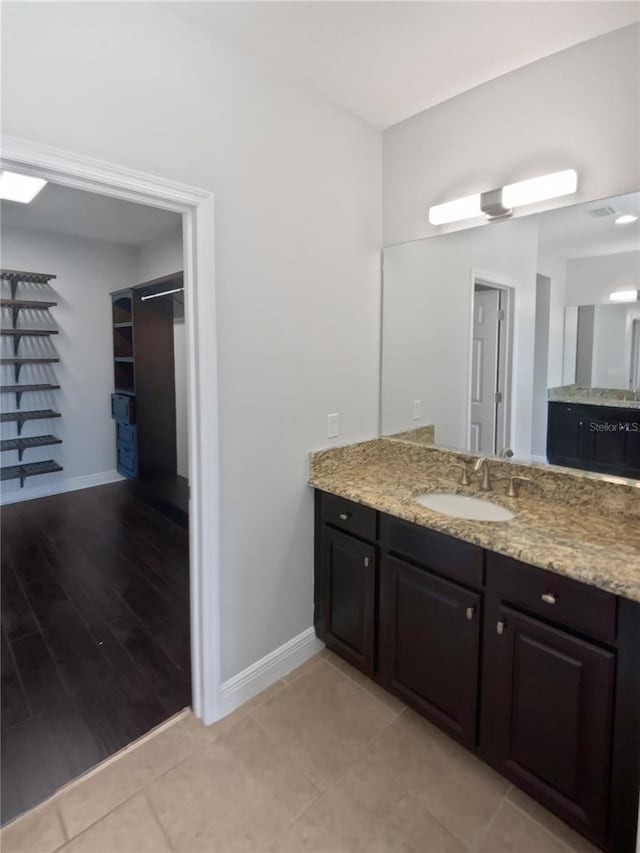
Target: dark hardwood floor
{"x":95,"y":634}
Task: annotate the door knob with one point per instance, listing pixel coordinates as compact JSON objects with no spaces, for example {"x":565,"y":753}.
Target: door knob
{"x":345,"y":516}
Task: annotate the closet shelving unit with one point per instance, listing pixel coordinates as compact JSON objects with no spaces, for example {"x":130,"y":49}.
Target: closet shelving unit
{"x":16,"y":333}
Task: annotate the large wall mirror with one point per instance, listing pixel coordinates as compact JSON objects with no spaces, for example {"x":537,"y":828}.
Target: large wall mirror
{"x":522,"y":335}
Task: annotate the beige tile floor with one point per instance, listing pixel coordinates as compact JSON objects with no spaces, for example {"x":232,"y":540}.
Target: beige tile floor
{"x":324,"y":761}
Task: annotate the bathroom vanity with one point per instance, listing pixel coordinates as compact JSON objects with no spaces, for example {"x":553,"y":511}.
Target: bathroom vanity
{"x":520,"y":639}
{"x":594,"y":436}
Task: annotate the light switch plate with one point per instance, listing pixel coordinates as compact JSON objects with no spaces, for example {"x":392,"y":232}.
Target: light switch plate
{"x":332,"y":425}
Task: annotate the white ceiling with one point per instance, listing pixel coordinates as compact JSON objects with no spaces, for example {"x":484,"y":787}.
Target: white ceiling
{"x":386,"y":61}
{"x":61,"y":210}
{"x":575,"y":232}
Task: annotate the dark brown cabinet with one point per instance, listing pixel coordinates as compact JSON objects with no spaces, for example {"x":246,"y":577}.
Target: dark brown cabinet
{"x":596,"y":438}
{"x":349,"y":585}
{"x":547,"y":715}
{"x":534,"y":672}
{"x":430,"y":644}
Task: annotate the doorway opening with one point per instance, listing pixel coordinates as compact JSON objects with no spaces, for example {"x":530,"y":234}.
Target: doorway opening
{"x":122,"y":508}
{"x":489,"y":426}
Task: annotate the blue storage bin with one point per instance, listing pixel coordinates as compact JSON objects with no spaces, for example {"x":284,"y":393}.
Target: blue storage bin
{"x":123,"y":409}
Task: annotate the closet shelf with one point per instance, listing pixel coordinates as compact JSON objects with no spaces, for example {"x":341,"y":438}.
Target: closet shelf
{"x":23,"y":276}
{"x":18,"y":360}
{"x":22,"y":389}
{"x":33,"y":304}
{"x":19,"y":390}
{"x":31,"y":469}
{"x":28,"y":333}
{"x":20,"y":418}
{"x":32,"y":415}
{"x":22,"y":444}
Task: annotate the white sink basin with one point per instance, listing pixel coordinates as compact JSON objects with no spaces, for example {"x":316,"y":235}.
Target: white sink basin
{"x":464,"y":506}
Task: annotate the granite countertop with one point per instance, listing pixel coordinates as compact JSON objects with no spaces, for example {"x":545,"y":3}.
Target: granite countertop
{"x":583,"y":527}
{"x":607,"y":402}
{"x":616,"y":398}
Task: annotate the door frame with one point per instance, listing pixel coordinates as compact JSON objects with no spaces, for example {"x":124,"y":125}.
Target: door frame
{"x":196,"y":206}
{"x":508,"y":289}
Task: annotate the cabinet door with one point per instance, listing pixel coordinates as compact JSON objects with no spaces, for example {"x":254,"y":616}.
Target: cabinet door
{"x":430,"y":645}
{"x":565,"y":430}
{"x":349,"y":582}
{"x":547,"y":715}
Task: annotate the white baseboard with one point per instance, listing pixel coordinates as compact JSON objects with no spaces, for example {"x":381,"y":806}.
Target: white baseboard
{"x":265,"y":672}
{"x":29,"y":493}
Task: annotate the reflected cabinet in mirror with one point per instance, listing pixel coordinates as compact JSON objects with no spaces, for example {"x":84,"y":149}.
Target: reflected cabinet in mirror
{"x":520,"y":336}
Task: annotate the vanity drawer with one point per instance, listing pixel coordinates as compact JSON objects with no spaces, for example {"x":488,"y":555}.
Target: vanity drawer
{"x":452,"y":558}
{"x":349,"y":516}
{"x":572,"y":604}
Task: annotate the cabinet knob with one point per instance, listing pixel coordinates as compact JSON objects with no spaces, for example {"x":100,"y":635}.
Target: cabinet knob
{"x":501,"y":626}
{"x":367,"y":562}
{"x":470,"y":613}
{"x":549,"y":597}
{"x":345,"y":516}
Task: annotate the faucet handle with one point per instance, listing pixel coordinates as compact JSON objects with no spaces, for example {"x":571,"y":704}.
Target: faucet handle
{"x":465,"y":479}
{"x":512,"y":490}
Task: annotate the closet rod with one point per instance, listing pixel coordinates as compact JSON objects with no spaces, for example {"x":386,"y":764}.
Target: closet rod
{"x":163,"y":293}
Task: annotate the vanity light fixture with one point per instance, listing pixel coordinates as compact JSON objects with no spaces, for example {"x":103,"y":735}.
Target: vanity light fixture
{"x":624,"y":296}
{"x":496,"y":204}
{"x":625,"y":219}
{"x":21,"y":188}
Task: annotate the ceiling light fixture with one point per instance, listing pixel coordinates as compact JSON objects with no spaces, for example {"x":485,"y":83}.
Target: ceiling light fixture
{"x":624,"y":296}
{"x":499,"y":203}
{"x":21,"y":188}
{"x":625,"y":219}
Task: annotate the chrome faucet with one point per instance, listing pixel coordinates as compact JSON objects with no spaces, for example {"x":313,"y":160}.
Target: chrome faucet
{"x":483,"y":464}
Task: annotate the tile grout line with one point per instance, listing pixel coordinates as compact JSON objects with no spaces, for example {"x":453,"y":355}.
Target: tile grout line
{"x":365,"y":690}
{"x":485,"y":832}
{"x":523,"y":811}
{"x":156,"y":818}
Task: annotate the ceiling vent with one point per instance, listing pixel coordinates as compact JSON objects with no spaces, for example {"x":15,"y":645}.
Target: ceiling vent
{"x":600,"y":212}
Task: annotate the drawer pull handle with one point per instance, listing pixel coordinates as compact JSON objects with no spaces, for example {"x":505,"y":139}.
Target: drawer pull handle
{"x":501,"y":626}
{"x":549,"y":597}
{"x":470,"y":613}
{"x":345,"y":516}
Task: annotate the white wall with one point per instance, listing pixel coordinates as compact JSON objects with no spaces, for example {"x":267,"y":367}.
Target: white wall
{"x":612,"y":344}
{"x":576,"y":109}
{"x":298,"y":211}
{"x":87,"y":271}
{"x":159,"y":257}
{"x":427,"y":327}
{"x":591,"y":280}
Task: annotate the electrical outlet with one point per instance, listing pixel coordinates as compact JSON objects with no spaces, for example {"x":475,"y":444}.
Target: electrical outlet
{"x":417,"y":404}
{"x":332,"y":425}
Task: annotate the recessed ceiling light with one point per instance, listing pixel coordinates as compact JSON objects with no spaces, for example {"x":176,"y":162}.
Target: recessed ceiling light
{"x":625,"y":219}
{"x":22,"y":188}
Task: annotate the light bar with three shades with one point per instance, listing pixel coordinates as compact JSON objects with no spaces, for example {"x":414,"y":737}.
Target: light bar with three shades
{"x":500,"y":203}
